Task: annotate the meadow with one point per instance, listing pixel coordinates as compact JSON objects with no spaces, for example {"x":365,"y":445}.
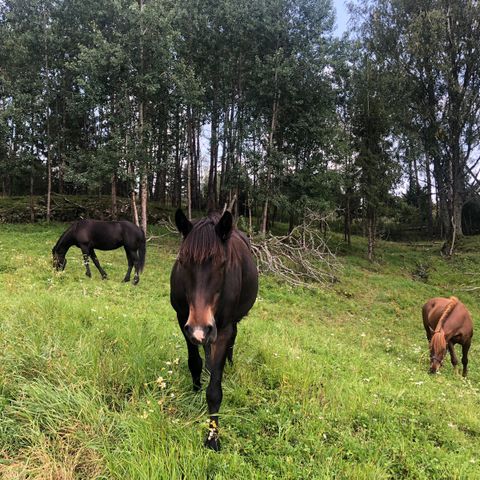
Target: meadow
{"x":327,"y":382}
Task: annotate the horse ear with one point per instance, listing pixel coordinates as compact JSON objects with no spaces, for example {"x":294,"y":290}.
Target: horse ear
{"x":183,"y":223}
{"x":224,"y":226}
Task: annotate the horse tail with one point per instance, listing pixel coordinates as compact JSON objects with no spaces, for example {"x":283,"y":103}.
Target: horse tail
{"x":142,"y":251}
{"x":450,"y":306}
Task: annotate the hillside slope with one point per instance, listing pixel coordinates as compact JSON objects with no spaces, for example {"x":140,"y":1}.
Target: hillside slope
{"x":327,"y":383}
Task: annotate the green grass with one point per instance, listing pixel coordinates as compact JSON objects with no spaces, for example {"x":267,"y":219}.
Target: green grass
{"x":327,"y":383}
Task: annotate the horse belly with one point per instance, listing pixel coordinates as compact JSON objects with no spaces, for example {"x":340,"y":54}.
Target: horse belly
{"x":111,"y":245}
{"x":243,"y":292}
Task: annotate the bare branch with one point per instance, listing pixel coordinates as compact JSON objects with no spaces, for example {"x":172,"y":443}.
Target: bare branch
{"x":301,"y":258}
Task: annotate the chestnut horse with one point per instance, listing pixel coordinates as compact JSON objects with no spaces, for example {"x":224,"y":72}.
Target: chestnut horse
{"x":214,"y":284}
{"x":447,"y":322}
{"x":89,"y":235}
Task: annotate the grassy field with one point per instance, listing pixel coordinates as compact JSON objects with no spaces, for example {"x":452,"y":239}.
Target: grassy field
{"x":328,"y":383}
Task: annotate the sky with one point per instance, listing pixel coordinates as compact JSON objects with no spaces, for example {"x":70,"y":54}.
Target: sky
{"x":341,"y":17}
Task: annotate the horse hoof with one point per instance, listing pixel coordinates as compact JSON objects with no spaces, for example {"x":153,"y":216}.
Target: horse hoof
{"x":212,"y":443}
{"x":89,"y":275}
{"x":126,"y":280}
{"x":104,"y":277}
{"x":135,"y":281}
{"x":197,"y":387}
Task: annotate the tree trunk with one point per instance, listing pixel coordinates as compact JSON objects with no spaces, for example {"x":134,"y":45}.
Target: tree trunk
{"x":133,"y":195}
{"x":114,"y":198}
{"x":32,"y":206}
{"x":263,"y":229}
{"x":49,"y":157}
{"x":211,"y":191}
{"x":223,"y":160}
{"x":348,"y":218}
{"x":141,"y":113}
{"x":177,"y":175}
{"x":271,"y":137}
{"x":49,"y":171}
{"x":191,"y":154}
{"x":143,"y":201}
{"x":371,"y":230}
{"x":429,"y":197}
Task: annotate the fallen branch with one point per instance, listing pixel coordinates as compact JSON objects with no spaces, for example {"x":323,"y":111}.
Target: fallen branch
{"x":468,"y":289}
{"x":169,"y":226}
{"x":301,"y":258}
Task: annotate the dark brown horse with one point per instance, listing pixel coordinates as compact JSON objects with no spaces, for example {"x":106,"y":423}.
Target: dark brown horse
{"x":214,"y":284}
{"x":91,"y":234}
{"x":447,"y":322}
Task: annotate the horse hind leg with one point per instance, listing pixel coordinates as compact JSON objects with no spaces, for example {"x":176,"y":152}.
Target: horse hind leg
{"x":94,"y":258}
{"x":231,"y":345}
{"x":130,"y":266}
{"x":136,"y":261}
{"x":465,"y":349}
{"x":453,"y":356}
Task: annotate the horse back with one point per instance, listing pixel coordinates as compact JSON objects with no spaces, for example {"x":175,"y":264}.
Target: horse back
{"x":105,"y":235}
{"x":457,"y":324}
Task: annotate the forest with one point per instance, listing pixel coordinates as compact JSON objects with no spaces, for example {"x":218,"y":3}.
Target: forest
{"x":257,"y":105}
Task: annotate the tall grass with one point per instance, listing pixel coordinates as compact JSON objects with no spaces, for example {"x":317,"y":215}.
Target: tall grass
{"x":326,"y":383}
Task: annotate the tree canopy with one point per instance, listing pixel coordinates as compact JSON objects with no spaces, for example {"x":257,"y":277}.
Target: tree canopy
{"x":201,"y":103}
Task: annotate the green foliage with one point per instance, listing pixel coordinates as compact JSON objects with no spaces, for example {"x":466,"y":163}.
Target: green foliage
{"x":326,"y":384}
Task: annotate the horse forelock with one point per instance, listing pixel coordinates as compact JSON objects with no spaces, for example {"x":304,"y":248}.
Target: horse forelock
{"x":202,"y":243}
{"x":438,"y":342}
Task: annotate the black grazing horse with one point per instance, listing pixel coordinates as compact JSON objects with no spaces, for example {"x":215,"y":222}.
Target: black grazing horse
{"x":90,"y":234}
{"x":214,"y":284}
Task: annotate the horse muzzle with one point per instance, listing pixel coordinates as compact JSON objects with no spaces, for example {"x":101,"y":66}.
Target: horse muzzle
{"x":59,"y":264}
{"x":201,"y":334}
{"x":434,"y":368}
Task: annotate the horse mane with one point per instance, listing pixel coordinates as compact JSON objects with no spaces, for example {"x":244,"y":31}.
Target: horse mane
{"x":438,"y":341}
{"x":63,"y":235}
{"x":450,"y":306}
{"x":202,"y":243}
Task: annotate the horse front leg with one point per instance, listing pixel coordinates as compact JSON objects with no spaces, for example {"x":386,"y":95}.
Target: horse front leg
{"x":216,"y":363}
{"x":93,"y":256}
{"x":465,"y":349}
{"x":194,"y":359}
{"x":86,"y":263}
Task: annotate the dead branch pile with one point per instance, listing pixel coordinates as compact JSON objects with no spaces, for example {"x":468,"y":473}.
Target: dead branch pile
{"x":301,"y":258}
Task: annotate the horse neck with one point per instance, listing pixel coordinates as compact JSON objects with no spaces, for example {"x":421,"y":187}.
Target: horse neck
{"x":65,"y":242}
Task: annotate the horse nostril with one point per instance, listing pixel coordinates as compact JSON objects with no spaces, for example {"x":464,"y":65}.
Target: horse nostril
{"x":209,"y":329}
{"x":187,"y":328}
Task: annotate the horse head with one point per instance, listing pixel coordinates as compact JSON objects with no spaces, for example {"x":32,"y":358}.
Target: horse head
{"x":438,"y":350}
{"x":59,"y":260}
{"x":202,"y":263}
